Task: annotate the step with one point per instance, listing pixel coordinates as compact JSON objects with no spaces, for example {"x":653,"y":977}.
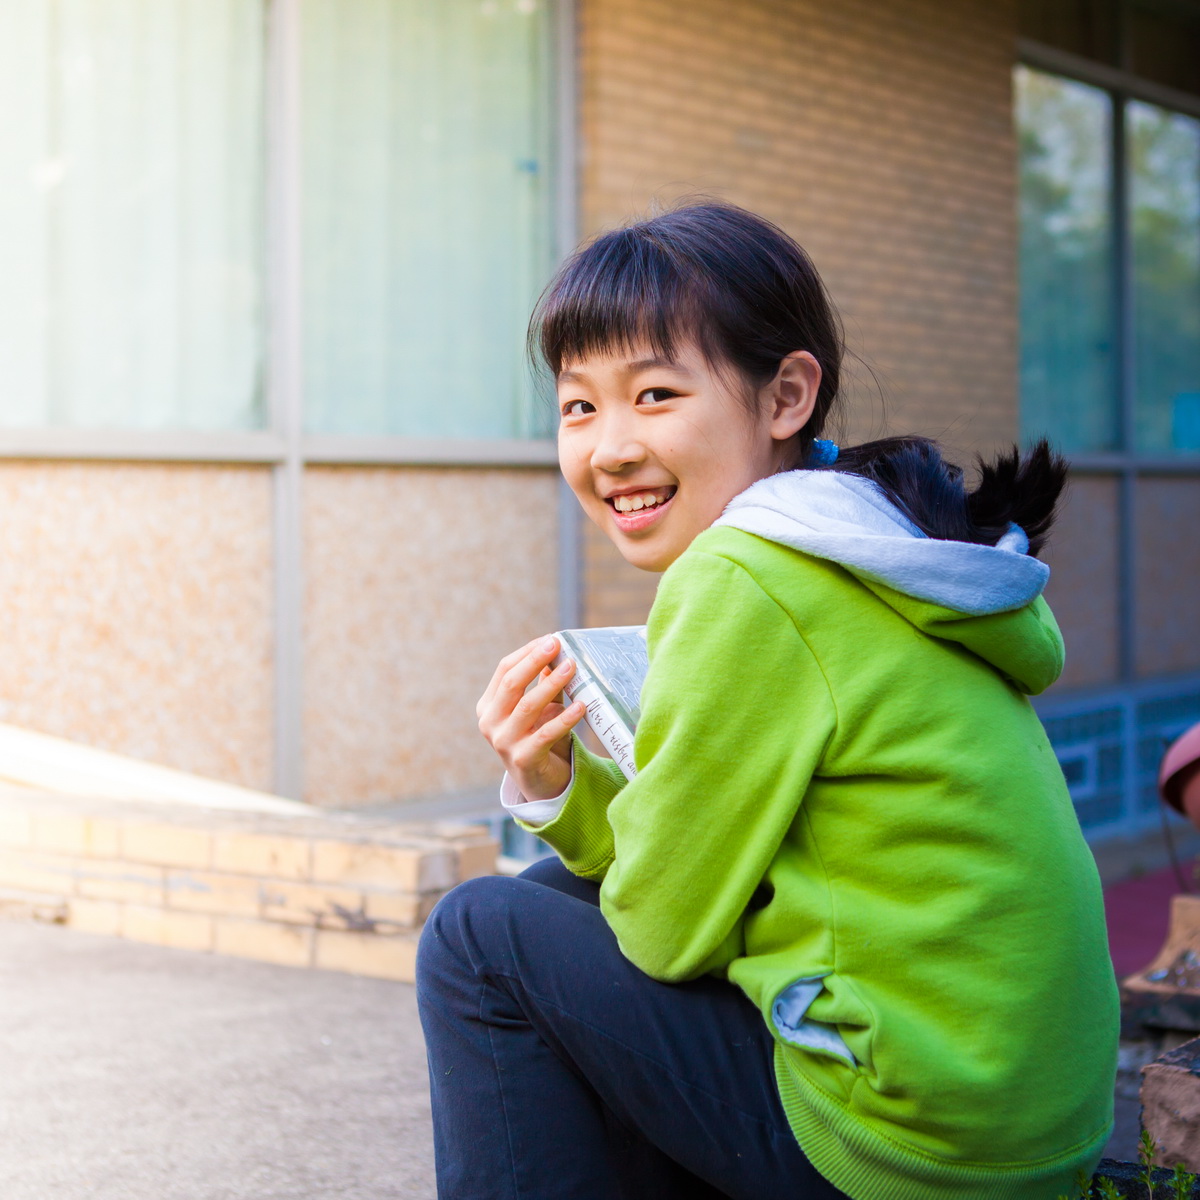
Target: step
{"x":330,"y":890}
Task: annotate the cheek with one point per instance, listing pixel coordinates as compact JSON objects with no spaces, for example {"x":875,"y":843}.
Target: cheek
{"x":574,"y":469}
{"x":724,"y":480}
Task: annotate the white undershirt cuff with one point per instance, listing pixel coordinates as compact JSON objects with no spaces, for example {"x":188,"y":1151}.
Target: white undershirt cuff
{"x":534,"y":812}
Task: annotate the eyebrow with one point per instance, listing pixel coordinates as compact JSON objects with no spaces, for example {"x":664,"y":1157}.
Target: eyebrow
{"x":631,"y":368}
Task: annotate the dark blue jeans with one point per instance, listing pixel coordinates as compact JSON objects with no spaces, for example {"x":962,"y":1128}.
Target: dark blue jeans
{"x":558,"y":1069}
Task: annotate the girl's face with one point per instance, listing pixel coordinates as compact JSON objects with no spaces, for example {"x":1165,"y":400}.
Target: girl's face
{"x":655,"y":449}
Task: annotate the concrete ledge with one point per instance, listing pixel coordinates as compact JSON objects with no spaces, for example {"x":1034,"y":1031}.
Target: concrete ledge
{"x":32,"y":906}
{"x":336,"y":891}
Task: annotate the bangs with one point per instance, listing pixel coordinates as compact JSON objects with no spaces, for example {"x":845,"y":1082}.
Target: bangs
{"x":625,"y":290}
{"x":710,"y":276}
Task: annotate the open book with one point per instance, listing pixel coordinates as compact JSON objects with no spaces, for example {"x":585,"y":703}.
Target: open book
{"x":610,"y":664}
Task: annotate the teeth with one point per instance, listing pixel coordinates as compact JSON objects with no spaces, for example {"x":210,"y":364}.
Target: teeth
{"x":638,"y":501}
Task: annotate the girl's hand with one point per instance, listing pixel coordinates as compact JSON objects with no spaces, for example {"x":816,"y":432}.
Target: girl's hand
{"x":531,"y":731}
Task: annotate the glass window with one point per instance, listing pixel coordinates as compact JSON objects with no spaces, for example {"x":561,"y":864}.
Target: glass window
{"x":1068,"y":380}
{"x":131,"y":205}
{"x":1164,"y":196}
{"x":427,"y":217}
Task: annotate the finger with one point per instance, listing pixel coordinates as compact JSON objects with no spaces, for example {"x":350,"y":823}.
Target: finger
{"x":560,"y":726}
{"x":496,"y":708}
{"x":505,"y":664}
{"x":533,"y":748}
{"x":548,"y":713}
{"x":527,"y":711}
{"x":550,"y":683}
{"x":543,"y":674}
{"x":519,"y":676}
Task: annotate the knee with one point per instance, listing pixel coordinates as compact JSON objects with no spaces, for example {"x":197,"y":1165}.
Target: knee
{"x":452,"y":931}
{"x":549,"y":872}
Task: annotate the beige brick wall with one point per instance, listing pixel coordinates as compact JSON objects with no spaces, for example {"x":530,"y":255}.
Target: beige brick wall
{"x":1168,"y":576}
{"x":1084,"y":572}
{"x":878,"y":133}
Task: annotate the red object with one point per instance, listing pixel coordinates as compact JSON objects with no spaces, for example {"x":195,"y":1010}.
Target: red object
{"x":1138,"y":912}
{"x":1179,"y":775}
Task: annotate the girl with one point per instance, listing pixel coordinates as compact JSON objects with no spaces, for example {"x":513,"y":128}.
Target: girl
{"x":841,"y":936}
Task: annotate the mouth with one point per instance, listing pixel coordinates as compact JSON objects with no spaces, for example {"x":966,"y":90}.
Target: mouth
{"x":635,"y":511}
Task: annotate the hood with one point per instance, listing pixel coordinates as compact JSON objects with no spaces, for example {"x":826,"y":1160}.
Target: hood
{"x":986,"y":598}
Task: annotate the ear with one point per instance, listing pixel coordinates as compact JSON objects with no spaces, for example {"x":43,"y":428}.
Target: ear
{"x":792,"y":395}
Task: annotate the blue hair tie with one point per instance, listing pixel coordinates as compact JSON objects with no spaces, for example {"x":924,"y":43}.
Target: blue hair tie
{"x":823,"y":453}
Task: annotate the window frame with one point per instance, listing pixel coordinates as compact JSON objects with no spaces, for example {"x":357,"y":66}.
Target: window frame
{"x":283,"y":440}
{"x":283,"y":446}
{"x":298,"y":450}
{"x":1126,"y":465}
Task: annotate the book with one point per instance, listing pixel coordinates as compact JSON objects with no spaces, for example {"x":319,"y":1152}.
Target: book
{"x":610,"y":665}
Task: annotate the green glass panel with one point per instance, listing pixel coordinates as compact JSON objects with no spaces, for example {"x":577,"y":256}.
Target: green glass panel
{"x":427,"y":229}
{"x":1068,"y":381}
{"x":1164,"y":196}
{"x":131,"y":205}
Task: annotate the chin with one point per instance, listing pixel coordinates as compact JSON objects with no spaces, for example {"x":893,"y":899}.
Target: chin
{"x":655,"y":559}
{"x":655,"y":567}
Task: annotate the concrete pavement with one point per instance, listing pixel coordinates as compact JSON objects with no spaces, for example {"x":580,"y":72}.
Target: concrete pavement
{"x":131,"y":1072}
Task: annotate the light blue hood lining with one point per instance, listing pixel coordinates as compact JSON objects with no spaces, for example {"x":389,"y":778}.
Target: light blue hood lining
{"x":789,"y":1015}
{"x":848,"y":520}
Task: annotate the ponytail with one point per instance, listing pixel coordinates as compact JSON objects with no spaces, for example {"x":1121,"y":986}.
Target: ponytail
{"x":1017,"y":488}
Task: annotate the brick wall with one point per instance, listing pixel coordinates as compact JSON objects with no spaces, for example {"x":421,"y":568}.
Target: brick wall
{"x":880,"y":135}
{"x":1084,"y":569}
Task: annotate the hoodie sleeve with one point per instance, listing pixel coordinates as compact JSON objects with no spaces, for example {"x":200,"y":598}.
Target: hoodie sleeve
{"x":722,"y":771}
{"x":579,"y":830}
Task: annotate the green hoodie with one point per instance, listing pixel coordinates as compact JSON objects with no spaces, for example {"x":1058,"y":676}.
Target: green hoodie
{"x":842,"y":784}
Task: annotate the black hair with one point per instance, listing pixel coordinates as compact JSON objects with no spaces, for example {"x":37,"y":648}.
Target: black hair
{"x":747,"y":295}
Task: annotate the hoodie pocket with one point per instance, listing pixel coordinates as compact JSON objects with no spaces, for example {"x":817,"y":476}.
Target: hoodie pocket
{"x":789,"y":1014}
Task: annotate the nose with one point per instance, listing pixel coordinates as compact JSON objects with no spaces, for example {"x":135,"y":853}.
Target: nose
{"x":618,"y":445}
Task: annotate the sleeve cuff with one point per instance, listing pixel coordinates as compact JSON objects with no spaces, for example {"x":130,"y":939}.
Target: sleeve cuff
{"x":535,"y":812}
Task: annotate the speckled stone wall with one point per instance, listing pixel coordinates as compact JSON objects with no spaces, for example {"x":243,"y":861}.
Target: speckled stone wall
{"x":877,"y":132}
{"x":135,"y":604}
{"x":417,"y":582}
{"x":1083,"y":581}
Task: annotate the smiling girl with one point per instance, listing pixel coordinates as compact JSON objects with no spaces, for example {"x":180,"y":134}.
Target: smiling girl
{"x":841,"y":935}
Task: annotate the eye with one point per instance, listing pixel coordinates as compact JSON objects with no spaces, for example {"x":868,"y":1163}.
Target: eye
{"x":577,"y":408}
{"x":656,"y":395}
